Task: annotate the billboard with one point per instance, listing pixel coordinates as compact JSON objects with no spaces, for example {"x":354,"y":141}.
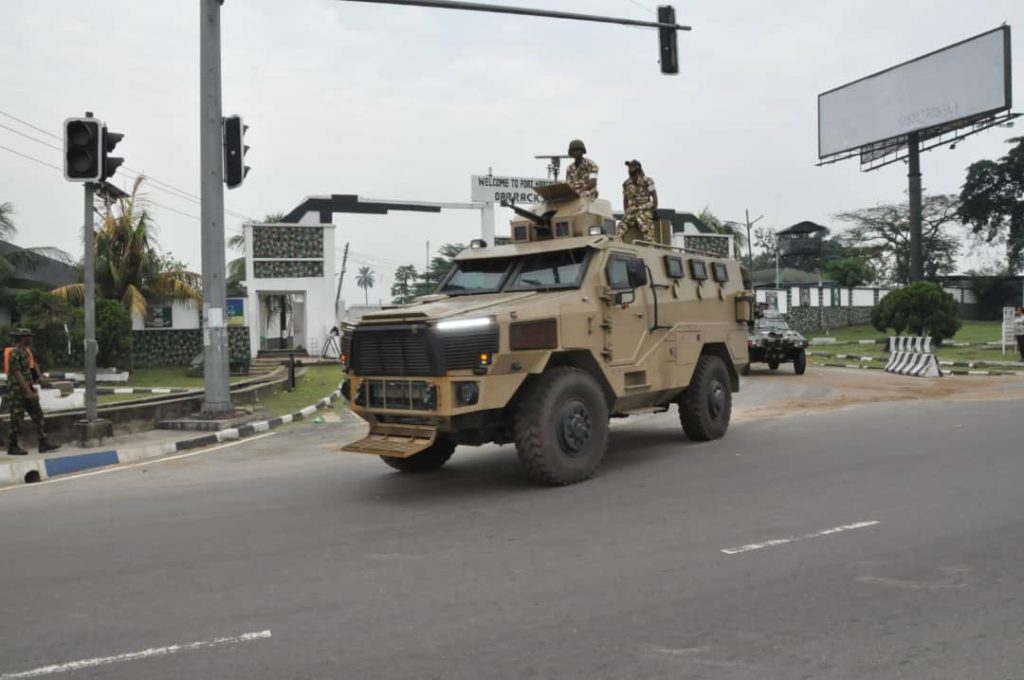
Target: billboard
{"x":961,"y":81}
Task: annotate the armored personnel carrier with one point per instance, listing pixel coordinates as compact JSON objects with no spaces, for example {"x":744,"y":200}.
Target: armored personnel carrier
{"x":540,"y":342}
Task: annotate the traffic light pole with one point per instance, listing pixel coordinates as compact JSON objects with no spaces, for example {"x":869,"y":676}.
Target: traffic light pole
{"x":217,"y":398}
{"x":89,"y":239}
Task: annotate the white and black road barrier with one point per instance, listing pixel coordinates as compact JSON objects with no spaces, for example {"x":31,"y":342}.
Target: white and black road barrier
{"x":909,"y":355}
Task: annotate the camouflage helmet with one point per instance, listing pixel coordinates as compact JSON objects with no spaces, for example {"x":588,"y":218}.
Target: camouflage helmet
{"x":577,"y":144}
{"x":21,"y":333}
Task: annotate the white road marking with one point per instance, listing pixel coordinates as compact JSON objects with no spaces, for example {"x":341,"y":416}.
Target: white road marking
{"x":793,"y":539}
{"x":118,"y":468}
{"x":135,"y":656}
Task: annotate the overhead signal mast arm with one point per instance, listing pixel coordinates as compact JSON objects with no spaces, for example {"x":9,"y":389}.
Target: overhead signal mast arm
{"x":666,"y":21}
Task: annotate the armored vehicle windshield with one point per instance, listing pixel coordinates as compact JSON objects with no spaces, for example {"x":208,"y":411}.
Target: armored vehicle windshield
{"x":554,"y":270}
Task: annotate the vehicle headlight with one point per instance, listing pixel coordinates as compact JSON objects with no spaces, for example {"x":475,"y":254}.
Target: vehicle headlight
{"x":462,"y":324}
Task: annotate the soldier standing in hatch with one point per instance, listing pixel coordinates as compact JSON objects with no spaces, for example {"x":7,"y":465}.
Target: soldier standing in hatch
{"x":639,"y":203}
{"x":23,"y":396}
{"x":582,"y":173}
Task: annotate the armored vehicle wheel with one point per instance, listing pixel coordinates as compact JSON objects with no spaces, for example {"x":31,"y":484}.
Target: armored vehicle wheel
{"x":706,"y":405}
{"x":561,"y":427}
{"x":745,"y":370}
{"x":425,"y":461}
{"x":773,"y":364}
{"x":800,"y":362}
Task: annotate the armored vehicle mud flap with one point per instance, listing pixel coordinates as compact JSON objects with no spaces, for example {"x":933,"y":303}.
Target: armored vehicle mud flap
{"x":396,"y":441}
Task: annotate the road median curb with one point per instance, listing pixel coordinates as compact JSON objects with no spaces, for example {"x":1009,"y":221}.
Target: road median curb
{"x":26,"y":471}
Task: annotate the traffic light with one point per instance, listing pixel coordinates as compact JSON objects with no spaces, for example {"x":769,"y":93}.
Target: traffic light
{"x":83,"y":150}
{"x":667,"y":40}
{"x":235,"y":168}
{"x":110,"y":163}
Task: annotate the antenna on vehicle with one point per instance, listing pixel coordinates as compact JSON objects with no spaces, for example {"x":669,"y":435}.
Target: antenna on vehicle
{"x":554,"y":165}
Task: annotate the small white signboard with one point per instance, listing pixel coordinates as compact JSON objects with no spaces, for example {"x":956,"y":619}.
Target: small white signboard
{"x":1008,"y":337}
{"x":495,"y":189}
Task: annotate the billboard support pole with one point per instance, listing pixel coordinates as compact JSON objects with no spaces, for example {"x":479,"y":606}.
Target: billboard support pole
{"x":487,"y":223}
{"x":914,"y":177}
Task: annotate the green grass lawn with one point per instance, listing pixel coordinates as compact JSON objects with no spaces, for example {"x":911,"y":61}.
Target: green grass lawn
{"x":971,"y":331}
{"x":167,"y":376}
{"x":315,"y":383}
{"x":310,"y":387}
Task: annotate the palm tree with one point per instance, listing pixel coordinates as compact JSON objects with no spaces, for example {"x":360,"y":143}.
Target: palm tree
{"x":365,"y":280}
{"x":128,"y":265}
{"x":7,"y":228}
{"x":402,"y":290}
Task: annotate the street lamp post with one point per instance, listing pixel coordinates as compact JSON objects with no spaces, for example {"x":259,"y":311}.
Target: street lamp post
{"x":748,"y":223}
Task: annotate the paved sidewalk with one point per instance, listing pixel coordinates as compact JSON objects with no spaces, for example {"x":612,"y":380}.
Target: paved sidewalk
{"x":130,"y":448}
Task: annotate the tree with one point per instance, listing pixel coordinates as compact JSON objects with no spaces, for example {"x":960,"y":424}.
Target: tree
{"x":402,"y":291}
{"x":922,"y":308}
{"x":128,"y":264}
{"x":365,"y":280}
{"x":992,"y":201}
{"x":883,"y":234}
{"x":46,"y":314}
{"x":440,"y":265}
{"x":851,"y":272}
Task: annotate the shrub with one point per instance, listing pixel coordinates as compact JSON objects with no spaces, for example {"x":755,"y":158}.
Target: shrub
{"x":921,"y":308}
{"x":113,"y":334}
{"x":46,"y":315}
{"x":56,"y":325}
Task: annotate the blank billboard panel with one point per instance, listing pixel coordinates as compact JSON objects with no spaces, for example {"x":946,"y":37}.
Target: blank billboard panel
{"x":967,"y":79}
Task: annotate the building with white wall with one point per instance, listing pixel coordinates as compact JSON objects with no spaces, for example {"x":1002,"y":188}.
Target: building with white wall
{"x":290,"y":285}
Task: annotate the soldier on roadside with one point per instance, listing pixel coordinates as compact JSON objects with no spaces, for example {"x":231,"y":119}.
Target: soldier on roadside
{"x":581,"y":175}
{"x":23,"y":396}
{"x":640,"y":205}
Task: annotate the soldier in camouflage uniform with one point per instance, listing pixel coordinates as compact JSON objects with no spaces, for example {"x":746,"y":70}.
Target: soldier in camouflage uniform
{"x":581,"y":174}
{"x":23,"y":396}
{"x":640,"y":205}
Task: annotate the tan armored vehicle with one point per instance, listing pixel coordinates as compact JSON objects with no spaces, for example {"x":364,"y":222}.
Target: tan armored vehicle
{"x":541,"y":341}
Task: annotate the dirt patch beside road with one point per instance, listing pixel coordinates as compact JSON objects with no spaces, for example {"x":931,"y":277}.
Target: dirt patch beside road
{"x":836,"y":388}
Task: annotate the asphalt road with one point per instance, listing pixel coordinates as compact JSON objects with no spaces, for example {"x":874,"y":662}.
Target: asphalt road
{"x":875,"y":542}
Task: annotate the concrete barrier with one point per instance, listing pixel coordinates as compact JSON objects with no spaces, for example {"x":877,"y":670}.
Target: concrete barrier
{"x":909,"y":355}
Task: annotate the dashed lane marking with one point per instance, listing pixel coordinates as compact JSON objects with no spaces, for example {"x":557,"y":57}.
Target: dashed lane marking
{"x":135,"y":656}
{"x":792,"y":539}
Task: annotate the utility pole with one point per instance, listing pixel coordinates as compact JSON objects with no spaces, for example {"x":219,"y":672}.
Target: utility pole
{"x":750,"y":244}
{"x":341,"y":277}
{"x":217,"y":395}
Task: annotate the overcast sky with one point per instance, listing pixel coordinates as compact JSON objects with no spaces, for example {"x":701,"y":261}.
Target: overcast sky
{"x":406,"y":103}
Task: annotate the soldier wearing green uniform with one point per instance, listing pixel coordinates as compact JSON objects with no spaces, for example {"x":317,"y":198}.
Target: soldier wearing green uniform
{"x":23,"y":396}
{"x":639,"y":204}
{"x":582,"y":173}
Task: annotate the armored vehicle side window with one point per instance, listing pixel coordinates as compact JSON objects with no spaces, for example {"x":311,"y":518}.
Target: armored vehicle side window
{"x":674,"y":267}
{"x":476,"y":276}
{"x":617,"y":273}
{"x":720,"y":271}
{"x":698,"y":270}
{"x":545,"y":271}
